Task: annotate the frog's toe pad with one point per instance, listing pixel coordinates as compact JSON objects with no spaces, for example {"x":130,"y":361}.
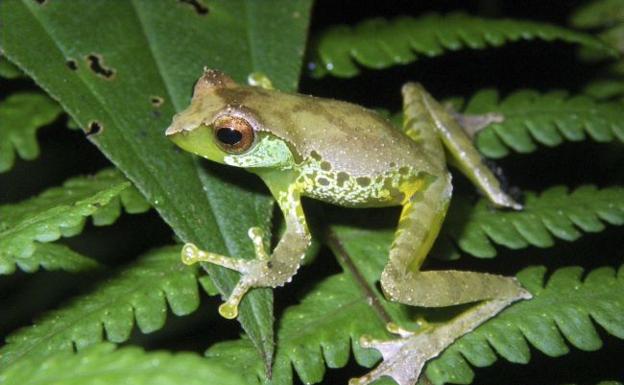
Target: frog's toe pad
{"x":189,"y":254}
{"x":228,"y":310}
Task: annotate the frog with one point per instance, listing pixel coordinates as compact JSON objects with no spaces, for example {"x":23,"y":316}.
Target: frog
{"x":347,"y":155}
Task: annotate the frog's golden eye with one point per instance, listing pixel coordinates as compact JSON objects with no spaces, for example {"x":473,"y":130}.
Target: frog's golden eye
{"x":233,"y":134}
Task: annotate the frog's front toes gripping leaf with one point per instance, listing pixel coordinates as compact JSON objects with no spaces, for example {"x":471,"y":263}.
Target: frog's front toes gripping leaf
{"x":253,"y":271}
{"x":404,"y":358}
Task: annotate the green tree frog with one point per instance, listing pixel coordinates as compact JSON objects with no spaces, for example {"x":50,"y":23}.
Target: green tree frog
{"x":347,"y":155}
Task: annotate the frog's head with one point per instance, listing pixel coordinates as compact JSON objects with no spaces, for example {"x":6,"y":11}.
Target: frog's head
{"x":218,"y":126}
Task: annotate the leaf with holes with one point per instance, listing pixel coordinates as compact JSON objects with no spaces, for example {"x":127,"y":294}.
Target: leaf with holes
{"x":131,"y":91}
{"x":138,"y":294}
{"x":564,"y":309}
{"x":548,"y":119}
{"x":21,"y":115}
{"x":554,"y":213}
{"x":103,"y":363}
{"x":61,"y":211}
{"x":379,"y":43}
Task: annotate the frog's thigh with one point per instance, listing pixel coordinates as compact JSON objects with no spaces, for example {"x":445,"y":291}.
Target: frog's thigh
{"x":459,"y":145}
{"x":418,"y":228}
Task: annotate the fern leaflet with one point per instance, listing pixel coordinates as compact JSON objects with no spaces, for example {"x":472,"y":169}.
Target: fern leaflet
{"x":21,"y":115}
{"x":599,"y":13}
{"x":50,"y":256}
{"x":378,"y":43}
{"x":104,"y":364}
{"x":548,"y":119}
{"x":139,"y":293}
{"x":555,"y":212}
{"x":563,"y":309}
{"x":61,"y":211}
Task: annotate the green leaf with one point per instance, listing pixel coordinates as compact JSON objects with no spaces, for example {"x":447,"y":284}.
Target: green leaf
{"x":50,"y":256}
{"x":555,"y":213}
{"x":138,"y":294}
{"x":104,"y":364}
{"x":21,"y":115}
{"x":8,"y":70}
{"x":548,"y":119}
{"x":61,"y":211}
{"x":378,"y":43}
{"x":139,"y":85}
{"x":564,"y":309}
{"x":598,"y":13}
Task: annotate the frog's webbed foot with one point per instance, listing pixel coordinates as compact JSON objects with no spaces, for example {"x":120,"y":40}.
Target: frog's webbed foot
{"x":405,"y":357}
{"x":255,"y":272}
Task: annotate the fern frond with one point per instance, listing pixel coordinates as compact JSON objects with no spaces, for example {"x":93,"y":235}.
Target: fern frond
{"x":139,"y":294}
{"x":50,"y":256}
{"x":105,"y":364}
{"x":21,"y":115}
{"x":61,"y":211}
{"x":378,"y":43}
{"x":555,"y":213}
{"x":598,"y":13}
{"x":564,"y":309}
{"x":548,"y":119}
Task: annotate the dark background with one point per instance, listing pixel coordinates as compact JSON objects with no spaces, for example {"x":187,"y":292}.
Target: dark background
{"x":536,"y":65}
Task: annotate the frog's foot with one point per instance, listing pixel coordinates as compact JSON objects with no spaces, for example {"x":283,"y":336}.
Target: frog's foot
{"x":255,"y":272}
{"x":404,"y":358}
{"x":473,"y":124}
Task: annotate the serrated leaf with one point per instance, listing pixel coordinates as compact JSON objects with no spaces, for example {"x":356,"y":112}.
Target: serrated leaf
{"x":50,"y":256}
{"x":61,"y":211}
{"x":549,"y":119}
{"x":379,"y":43}
{"x":564,"y":310}
{"x":21,"y":115}
{"x":132,"y":90}
{"x":105,"y":364}
{"x":554,"y":213}
{"x":139,"y":294}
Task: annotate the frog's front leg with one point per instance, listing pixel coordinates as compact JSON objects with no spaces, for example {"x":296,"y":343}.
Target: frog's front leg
{"x":266,"y":270}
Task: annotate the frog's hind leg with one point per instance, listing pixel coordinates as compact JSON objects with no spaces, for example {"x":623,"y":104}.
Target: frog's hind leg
{"x":402,"y":281}
{"x":419,"y":225}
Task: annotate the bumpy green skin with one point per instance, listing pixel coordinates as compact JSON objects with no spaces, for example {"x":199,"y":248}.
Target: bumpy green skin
{"x":344,"y":154}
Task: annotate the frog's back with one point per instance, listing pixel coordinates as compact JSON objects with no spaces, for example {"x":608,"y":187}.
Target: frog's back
{"x":349,"y":137}
{"x":348,"y":154}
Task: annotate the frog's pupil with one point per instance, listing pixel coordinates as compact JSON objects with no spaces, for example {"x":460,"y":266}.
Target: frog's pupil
{"x":229,"y":136}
